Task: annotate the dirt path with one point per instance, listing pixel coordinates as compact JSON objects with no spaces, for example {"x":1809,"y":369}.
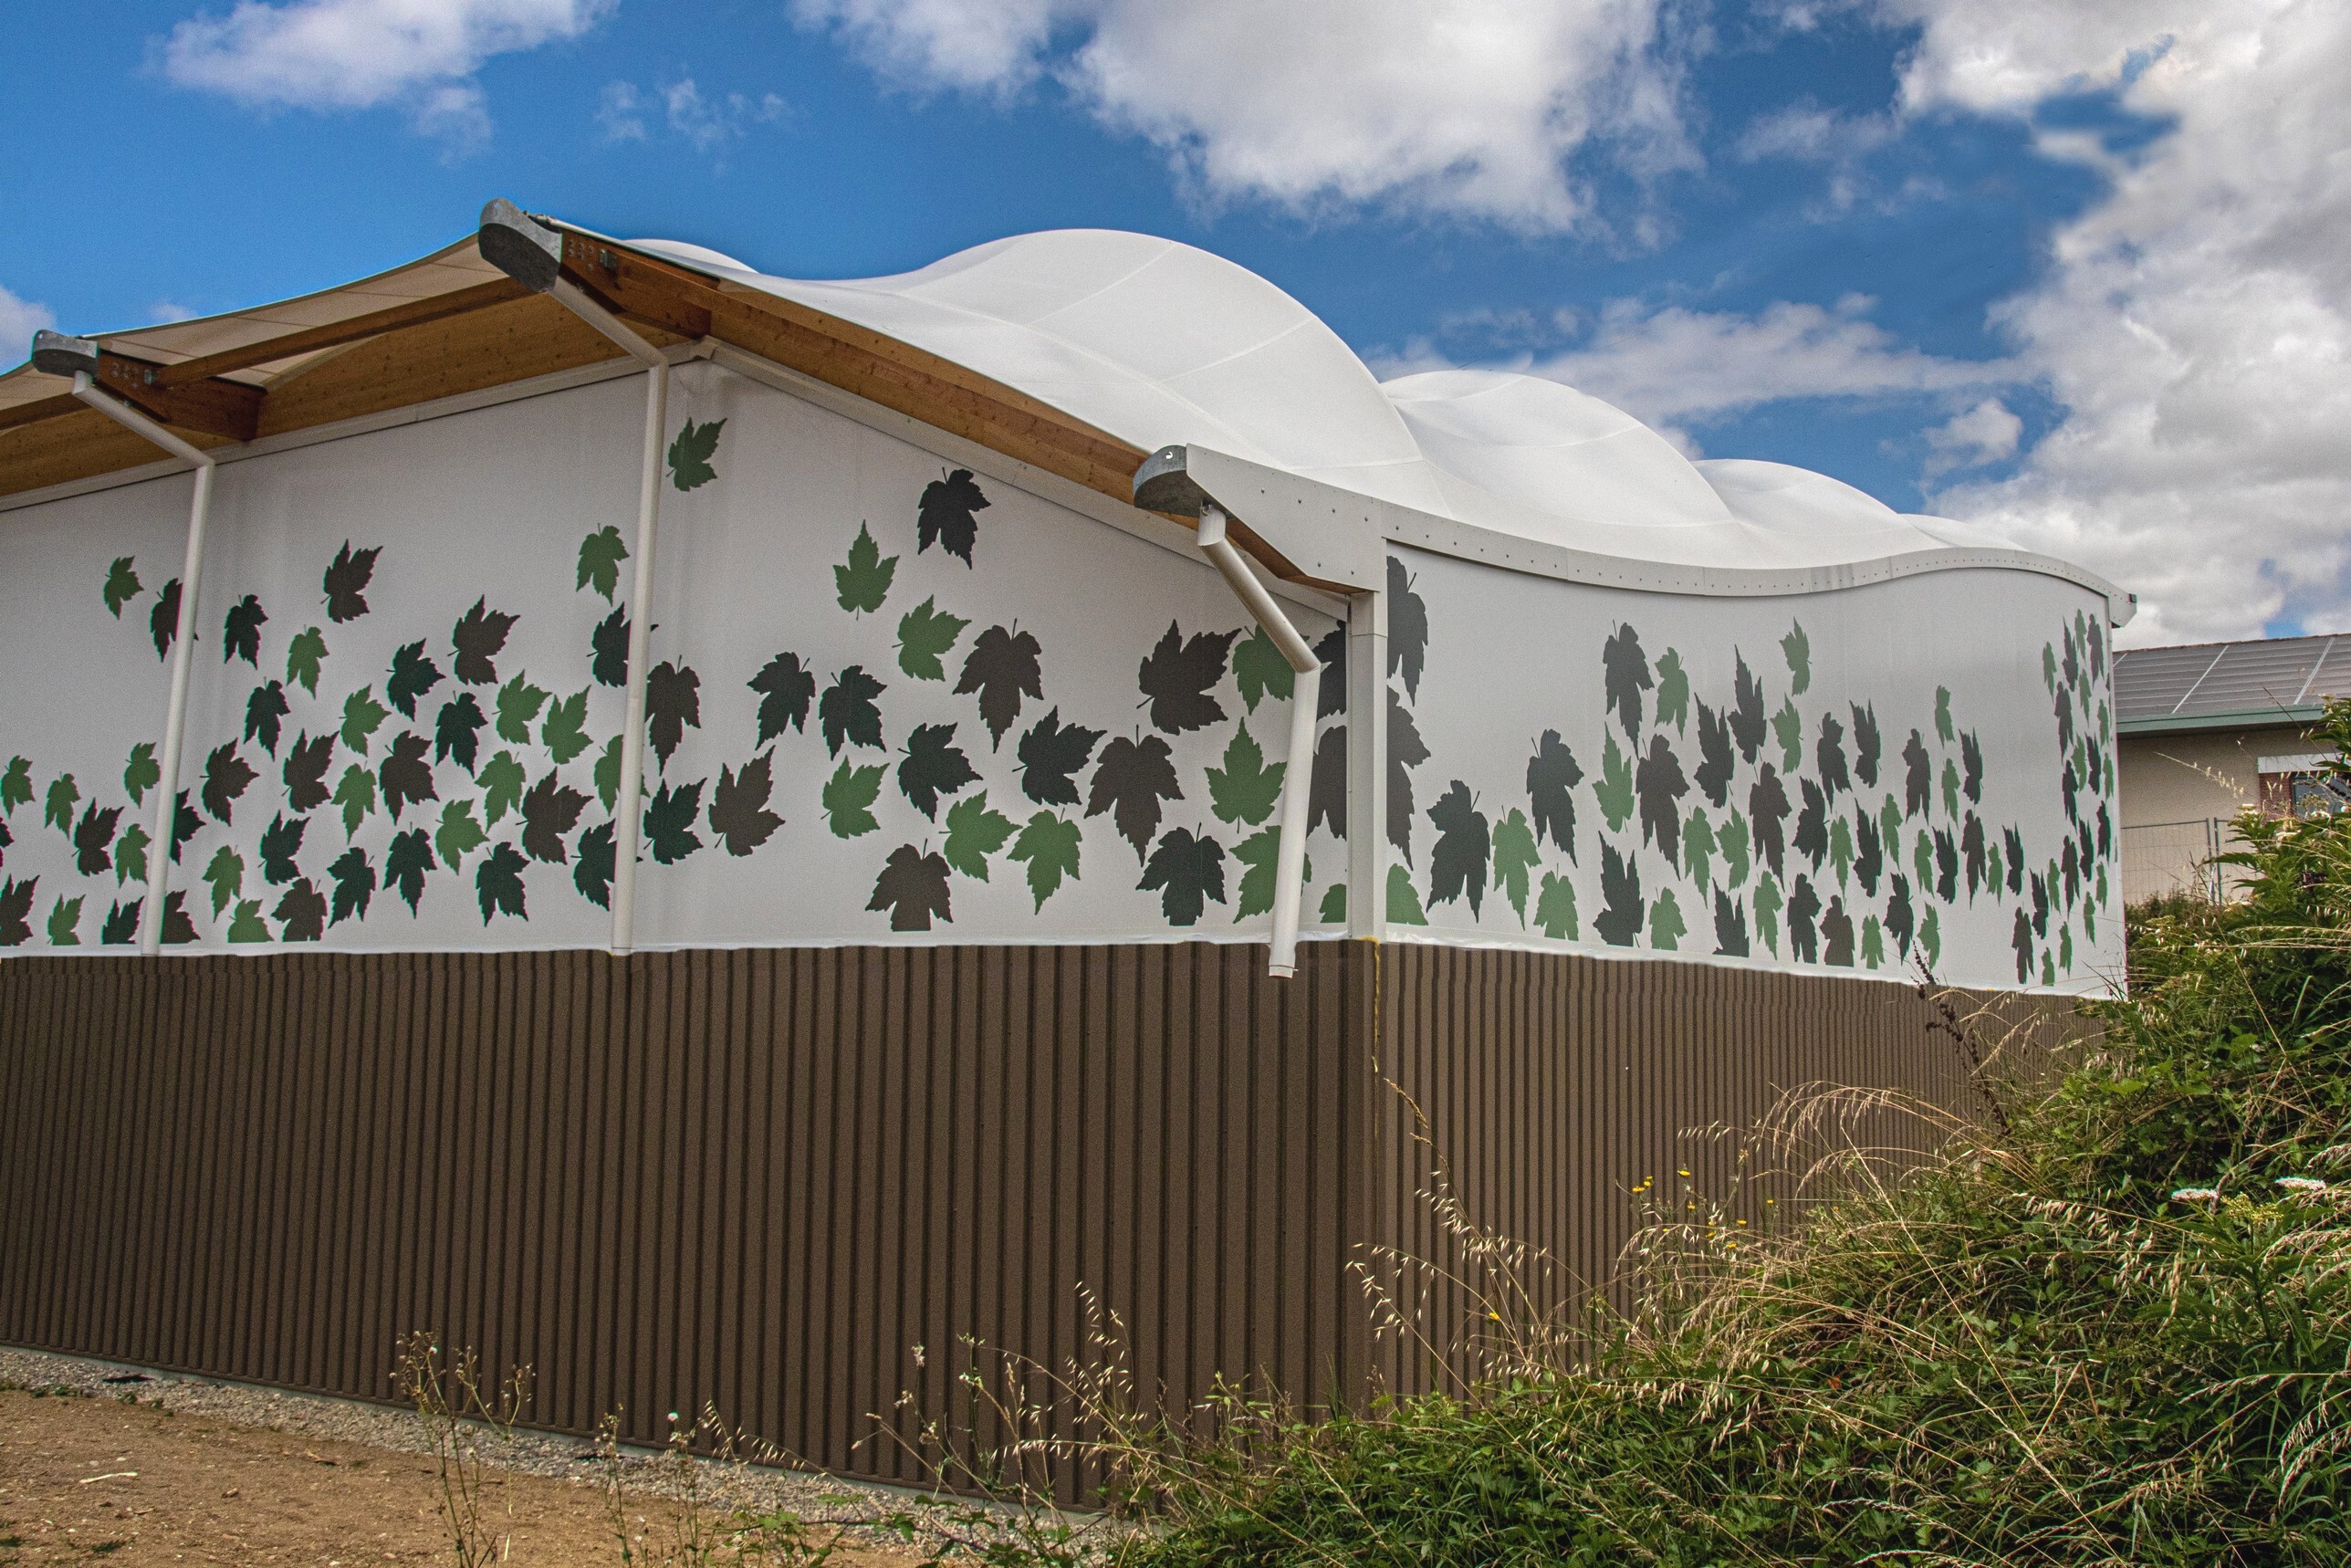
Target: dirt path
{"x":98,"y":1479}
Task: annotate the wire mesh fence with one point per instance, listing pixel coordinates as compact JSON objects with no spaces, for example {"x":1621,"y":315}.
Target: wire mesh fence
{"x":2167,"y":860}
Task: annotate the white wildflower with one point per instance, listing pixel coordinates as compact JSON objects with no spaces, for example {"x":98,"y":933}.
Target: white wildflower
{"x":2301,"y":1183}
{"x":2196,"y":1194}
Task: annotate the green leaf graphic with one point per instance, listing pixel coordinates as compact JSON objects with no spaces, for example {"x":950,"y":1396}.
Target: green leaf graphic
{"x":1404,"y":900}
{"x":1258,"y":855}
{"x":1943,"y":714}
{"x":406,"y":776}
{"x":1788,"y":729}
{"x":1515,"y":859}
{"x":406,"y":861}
{"x":1614,"y":790}
{"x":1698,"y":847}
{"x":497,"y":883}
{"x":356,"y":795}
{"x":670,"y":817}
{"x":141,"y":773}
{"x":518,"y":703}
{"x":303,"y":657}
{"x":362,"y":716}
{"x":1674,"y":690}
{"x":1186,"y":871}
{"x":58,"y":811}
{"x":1555,"y":908}
{"x":63,"y":919}
{"x":565,"y":733}
{"x":784,"y":689}
{"x":1666,"y":927}
{"x":864,"y":581}
{"x":849,"y":798}
{"x":738,"y":806}
{"x":247,"y":924}
{"x":226,"y":877}
{"x":600,"y":555}
{"x":458,"y":835}
{"x":1798,"y":649}
{"x":975,"y":831}
{"x":413,"y":674}
{"x":690,"y":454}
{"x":924,"y":635}
{"x":130,"y":855}
{"x":241,"y":632}
{"x":1732,"y":841}
{"x":503,"y":781}
{"x":345,"y":576}
{"x":1244,"y":790}
{"x":1334,"y":904}
{"x":935,"y":766}
{"x":608,"y":773}
{"x":1260,"y":671}
{"x":121,"y":587}
{"x":15,"y":784}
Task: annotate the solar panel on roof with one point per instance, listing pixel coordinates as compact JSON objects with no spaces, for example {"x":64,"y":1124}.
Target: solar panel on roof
{"x":2230,"y":677}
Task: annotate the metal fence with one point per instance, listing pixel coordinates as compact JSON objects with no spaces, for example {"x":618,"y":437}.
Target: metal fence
{"x":2165,"y":860}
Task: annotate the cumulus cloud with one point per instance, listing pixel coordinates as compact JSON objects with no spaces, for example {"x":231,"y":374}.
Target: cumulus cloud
{"x":1452,"y":107}
{"x":19,"y":320}
{"x":1974,"y":436}
{"x":2196,"y":324}
{"x":418,"y":55}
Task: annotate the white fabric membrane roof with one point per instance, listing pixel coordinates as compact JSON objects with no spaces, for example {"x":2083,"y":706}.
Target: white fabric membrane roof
{"x":1162,"y":344}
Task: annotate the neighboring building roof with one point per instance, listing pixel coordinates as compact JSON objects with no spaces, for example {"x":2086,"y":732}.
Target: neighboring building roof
{"x":2230,"y":686}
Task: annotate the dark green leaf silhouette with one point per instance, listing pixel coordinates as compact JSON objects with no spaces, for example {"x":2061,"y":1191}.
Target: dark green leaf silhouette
{"x":1245,"y":789}
{"x":57,"y":810}
{"x":846,"y":713}
{"x":934,"y":765}
{"x":406,"y":861}
{"x":1554,"y":907}
{"x":1798,"y":649}
{"x":1331,"y":691}
{"x":1864,"y":744}
{"x":946,"y":515}
{"x":1623,"y":914}
{"x":690,"y":454}
{"x":1001,"y":667}
{"x":354,"y":886}
{"x":1050,"y":846}
{"x":1714,"y":757}
{"x":673,"y":703}
{"x":184,"y":823}
{"x":2065,"y":711}
{"x":975,"y":831}
{"x":1943,"y":715}
{"x":1185,"y":872}
{"x":1836,"y":934}
{"x":280,"y":843}
{"x":404,"y":774}
{"x":913,"y":887}
{"x":241,"y":632}
{"x":121,"y":925}
{"x":784,"y":690}
{"x":1659,"y":784}
{"x":413,"y":674}
{"x":93,"y":838}
{"x":608,"y":650}
{"x":600,"y":555}
{"x":226,"y":775}
{"x":1918,"y":787}
{"x":1552,"y":773}
{"x":863,"y":582}
{"x":1326,"y":785}
{"x":2020,"y":939}
{"x":1767,"y":811}
{"x":670,"y":817}
{"x":551,"y":811}
{"x":1746,"y":721}
{"x":1260,"y":670}
{"x":1051,"y":756}
{"x":925,"y":636}
{"x":301,"y":915}
{"x":1899,"y":924}
{"x":497,"y":882}
{"x":263,"y":710}
{"x":1129,"y":782}
{"x":164,"y":621}
{"x":1971,"y":853}
{"x":1828,"y":757}
{"x":1407,"y":628}
{"x":1811,"y":840}
{"x":591,"y":871}
{"x":1971,"y":761}
{"x":1869,"y":859}
{"x":2040,"y":904}
{"x":17,"y":784}
{"x":177,"y":929}
{"x":1178,"y":678}
{"x":1626,"y":670}
{"x":2072,"y":867}
{"x":1803,"y":908}
{"x":1946,"y":865}
{"x":1516,"y":859}
{"x":16,"y":911}
{"x":457,"y":733}
{"x":304,"y":654}
{"x":738,"y":807}
{"x":121,"y":585}
{"x":1459,"y":863}
{"x":1730,"y":925}
{"x":478,"y":636}
{"x":1407,"y":752}
{"x":1613,"y":792}
{"x":346,"y":579}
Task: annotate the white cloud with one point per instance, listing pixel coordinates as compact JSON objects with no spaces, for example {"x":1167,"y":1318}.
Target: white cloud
{"x":1467,"y":108}
{"x":1987,"y":433}
{"x":620,"y":113}
{"x":708,"y":123}
{"x":1806,"y":132}
{"x":19,"y":320}
{"x":2195,"y":325}
{"x":419,"y":55}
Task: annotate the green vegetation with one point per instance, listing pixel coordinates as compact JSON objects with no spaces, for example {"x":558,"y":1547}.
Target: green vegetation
{"x":2111,"y":1324}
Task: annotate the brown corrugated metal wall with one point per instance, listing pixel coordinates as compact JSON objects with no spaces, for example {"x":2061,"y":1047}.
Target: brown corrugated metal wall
{"x":760,"y":1179}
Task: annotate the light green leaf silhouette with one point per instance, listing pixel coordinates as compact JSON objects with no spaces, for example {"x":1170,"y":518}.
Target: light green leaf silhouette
{"x":924,"y":635}
{"x":1049,"y":845}
{"x":864,"y":581}
{"x":1840,"y":849}
{"x":1404,"y":899}
{"x":247,"y":924}
{"x":503,"y":781}
{"x":1666,"y":927}
{"x":1334,"y":904}
{"x":1555,"y":908}
{"x":303,"y":657}
{"x":1889,"y":827}
{"x":1922,"y":861}
{"x":1672,"y":691}
{"x":141,"y":773}
{"x":1515,"y":859}
{"x":1943,"y":714}
{"x":226,"y":877}
{"x":64,"y":919}
{"x":608,"y":773}
{"x":459,"y":835}
{"x":600,"y":555}
{"x":1733,"y":843}
{"x":518,"y":703}
{"x":565,"y":733}
{"x":362,"y":716}
{"x":1798,"y":648}
{"x":1930,"y":936}
{"x":690,"y":454}
{"x":130,"y":855}
{"x":849,"y":798}
{"x":58,"y":811}
{"x":1951,"y":789}
{"x":974,"y":834}
{"x":355,"y":793}
{"x":1873,"y":944}
{"x":1767,"y":903}
{"x":1788,"y":729}
{"x":1244,"y":790}
{"x":1614,"y":788}
{"x":121,"y":587}
{"x":1260,"y":670}
{"x":1258,"y":855}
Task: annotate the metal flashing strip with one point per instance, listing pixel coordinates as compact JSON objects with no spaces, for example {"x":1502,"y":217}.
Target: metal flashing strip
{"x":2234,"y":718}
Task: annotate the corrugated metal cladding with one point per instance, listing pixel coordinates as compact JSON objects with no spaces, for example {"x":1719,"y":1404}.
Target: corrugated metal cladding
{"x":761,"y":1178}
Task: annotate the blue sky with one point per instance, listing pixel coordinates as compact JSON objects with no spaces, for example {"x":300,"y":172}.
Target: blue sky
{"x":1829,"y":234}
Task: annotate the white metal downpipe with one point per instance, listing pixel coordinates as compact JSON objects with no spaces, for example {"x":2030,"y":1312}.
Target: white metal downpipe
{"x":175,"y":714}
{"x":1290,"y":859}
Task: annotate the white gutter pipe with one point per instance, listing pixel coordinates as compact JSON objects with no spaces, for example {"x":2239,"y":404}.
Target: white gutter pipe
{"x":532,"y":254}
{"x":55,"y":351}
{"x":1290,"y":857}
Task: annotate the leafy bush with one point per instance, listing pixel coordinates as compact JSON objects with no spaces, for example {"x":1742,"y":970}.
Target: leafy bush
{"x":2114,"y":1326}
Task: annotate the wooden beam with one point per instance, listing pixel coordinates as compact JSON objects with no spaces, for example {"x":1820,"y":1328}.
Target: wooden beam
{"x":217,"y":407}
{"x":335,"y":334}
{"x":38,"y":409}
